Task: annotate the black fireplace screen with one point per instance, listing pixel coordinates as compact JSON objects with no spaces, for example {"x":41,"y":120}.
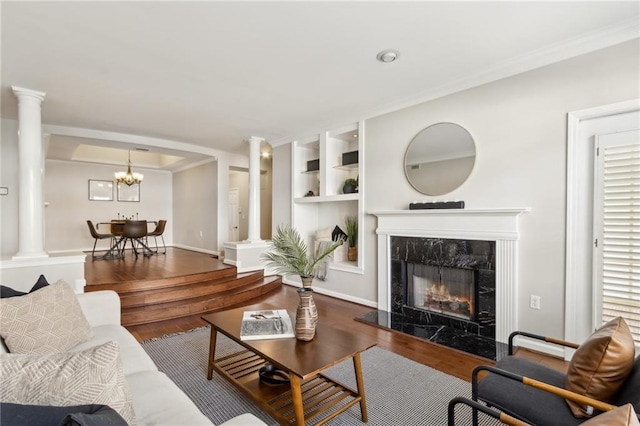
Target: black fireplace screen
{"x":441,"y":289}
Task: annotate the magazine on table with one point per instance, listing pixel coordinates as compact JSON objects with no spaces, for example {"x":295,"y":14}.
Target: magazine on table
{"x":266,"y":324}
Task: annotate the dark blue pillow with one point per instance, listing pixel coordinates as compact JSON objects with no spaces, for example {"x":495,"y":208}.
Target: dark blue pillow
{"x":6,"y":292}
{"x":42,"y":282}
{"x":80,"y":415}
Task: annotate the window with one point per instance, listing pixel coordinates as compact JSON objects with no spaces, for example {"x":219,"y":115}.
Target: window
{"x":617,"y":229}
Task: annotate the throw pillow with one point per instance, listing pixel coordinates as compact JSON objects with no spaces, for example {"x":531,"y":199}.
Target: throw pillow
{"x":41,"y":283}
{"x":621,"y":416}
{"x":6,"y":292}
{"x":600,"y":365}
{"x":77,"y":415}
{"x":92,"y":376}
{"x":46,"y":321}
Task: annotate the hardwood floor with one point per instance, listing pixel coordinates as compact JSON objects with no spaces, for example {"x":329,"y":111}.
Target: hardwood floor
{"x":336,"y":312}
{"x":340,"y":314}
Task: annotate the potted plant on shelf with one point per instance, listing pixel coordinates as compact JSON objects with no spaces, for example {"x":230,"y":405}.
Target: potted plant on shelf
{"x":351,"y":229}
{"x":350,"y":186}
{"x":288,"y":255}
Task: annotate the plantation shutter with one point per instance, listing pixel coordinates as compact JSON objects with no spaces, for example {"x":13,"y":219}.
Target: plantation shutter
{"x":617,"y":229}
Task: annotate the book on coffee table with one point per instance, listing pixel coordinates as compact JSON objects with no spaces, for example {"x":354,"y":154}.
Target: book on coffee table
{"x":266,"y":324}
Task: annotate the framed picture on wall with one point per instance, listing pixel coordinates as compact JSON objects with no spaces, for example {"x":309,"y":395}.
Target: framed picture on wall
{"x":129,"y":193}
{"x":100,"y":190}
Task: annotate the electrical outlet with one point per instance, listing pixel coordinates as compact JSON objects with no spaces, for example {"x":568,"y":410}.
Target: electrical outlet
{"x":534,"y":301}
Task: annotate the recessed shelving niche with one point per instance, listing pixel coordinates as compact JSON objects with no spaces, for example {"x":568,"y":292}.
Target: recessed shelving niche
{"x":329,"y":205}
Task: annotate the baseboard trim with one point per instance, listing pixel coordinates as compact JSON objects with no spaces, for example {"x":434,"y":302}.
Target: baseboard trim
{"x":198,"y":249}
{"x":335,"y":294}
{"x":540,"y":346}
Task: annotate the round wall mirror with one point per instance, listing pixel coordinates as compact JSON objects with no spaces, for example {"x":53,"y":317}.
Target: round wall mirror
{"x":439,"y":158}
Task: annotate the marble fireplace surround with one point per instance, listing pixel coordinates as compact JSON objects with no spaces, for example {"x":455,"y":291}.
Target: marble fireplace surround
{"x":499,"y":225}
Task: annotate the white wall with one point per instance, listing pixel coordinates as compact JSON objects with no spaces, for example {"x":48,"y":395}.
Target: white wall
{"x":519,"y":126}
{"x":281,"y":194}
{"x":195,"y":207}
{"x":9,"y":179}
{"x":66,"y":192}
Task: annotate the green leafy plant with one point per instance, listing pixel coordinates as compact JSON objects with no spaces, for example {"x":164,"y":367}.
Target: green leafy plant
{"x":351,"y":229}
{"x":351,"y":182}
{"x":288,"y":253}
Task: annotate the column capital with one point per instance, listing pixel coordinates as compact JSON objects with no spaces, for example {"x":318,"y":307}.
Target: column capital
{"x":255,"y":139}
{"x":22,"y":93}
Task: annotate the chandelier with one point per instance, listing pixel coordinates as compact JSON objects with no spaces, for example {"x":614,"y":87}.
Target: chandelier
{"x":128,"y":177}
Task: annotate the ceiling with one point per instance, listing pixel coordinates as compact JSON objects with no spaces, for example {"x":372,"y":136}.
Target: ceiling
{"x":208,"y":75}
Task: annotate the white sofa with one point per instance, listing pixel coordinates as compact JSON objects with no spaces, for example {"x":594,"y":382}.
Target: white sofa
{"x":156,"y":398}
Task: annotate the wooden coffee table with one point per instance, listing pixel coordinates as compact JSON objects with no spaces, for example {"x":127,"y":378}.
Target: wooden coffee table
{"x":310,"y":393}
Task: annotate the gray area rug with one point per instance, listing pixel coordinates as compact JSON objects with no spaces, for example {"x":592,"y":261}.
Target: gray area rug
{"x":398,"y":391}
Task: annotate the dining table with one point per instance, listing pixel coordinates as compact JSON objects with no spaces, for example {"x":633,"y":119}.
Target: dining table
{"x":117,"y":229}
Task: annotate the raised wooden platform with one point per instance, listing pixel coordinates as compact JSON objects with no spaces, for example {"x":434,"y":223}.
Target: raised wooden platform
{"x":179,"y":284}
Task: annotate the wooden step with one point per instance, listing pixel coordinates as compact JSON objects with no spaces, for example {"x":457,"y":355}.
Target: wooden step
{"x":199,"y":304}
{"x":191,"y":290}
{"x":123,"y":287}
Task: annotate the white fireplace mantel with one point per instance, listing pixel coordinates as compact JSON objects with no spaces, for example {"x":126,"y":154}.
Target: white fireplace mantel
{"x":499,"y":225}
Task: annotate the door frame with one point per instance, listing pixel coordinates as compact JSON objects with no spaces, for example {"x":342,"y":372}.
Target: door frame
{"x":579,"y":226}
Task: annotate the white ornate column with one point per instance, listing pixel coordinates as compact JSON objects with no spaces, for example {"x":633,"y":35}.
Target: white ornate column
{"x":31,"y":170}
{"x":254,"y":189}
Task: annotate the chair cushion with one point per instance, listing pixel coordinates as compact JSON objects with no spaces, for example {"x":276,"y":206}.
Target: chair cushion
{"x":529,"y":404}
{"x":93,"y":376}
{"x":630,"y":390}
{"x":46,"y":321}
{"x":621,"y":416}
{"x":601,"y":364}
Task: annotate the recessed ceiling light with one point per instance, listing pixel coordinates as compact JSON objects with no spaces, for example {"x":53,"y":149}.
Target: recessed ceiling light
{"x":388,"y":55}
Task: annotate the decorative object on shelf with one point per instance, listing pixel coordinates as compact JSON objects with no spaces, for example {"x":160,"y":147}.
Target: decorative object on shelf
{"x":437,"y":205}
{"x":313,"y":165}
{"x":351,"y":227}
{"x":350,"y":158}
{"x":306,"y":315}
{"x":309,"y":194}
{"x":288,"y":255}
{"x":128,"y":177}
{"x":272,"y":375}
{"x":350,"y":186}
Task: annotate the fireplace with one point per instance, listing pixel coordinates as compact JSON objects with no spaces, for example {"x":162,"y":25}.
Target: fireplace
{"x":445,"y":282}
{"x":471,"y":253}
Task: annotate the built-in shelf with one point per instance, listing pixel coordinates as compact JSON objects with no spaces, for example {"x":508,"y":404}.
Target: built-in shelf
{"x":329,"y":206}
{"x":346,"y":267}
{"x":327,"y":198}
{"x":352,"y":166}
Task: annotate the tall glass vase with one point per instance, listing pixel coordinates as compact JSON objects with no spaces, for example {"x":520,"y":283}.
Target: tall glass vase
{"x":305,"y":328}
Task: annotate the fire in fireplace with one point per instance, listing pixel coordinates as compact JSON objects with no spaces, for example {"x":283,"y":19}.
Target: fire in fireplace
{"x":444,"y":290}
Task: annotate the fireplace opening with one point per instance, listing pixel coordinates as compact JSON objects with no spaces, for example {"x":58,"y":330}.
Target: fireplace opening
{"x":443,"y":290}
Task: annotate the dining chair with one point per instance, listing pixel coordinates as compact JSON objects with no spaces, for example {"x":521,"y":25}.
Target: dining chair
{"x":158,"y":233}
{"x":135,"y":231}
{"x":98,"y":236}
